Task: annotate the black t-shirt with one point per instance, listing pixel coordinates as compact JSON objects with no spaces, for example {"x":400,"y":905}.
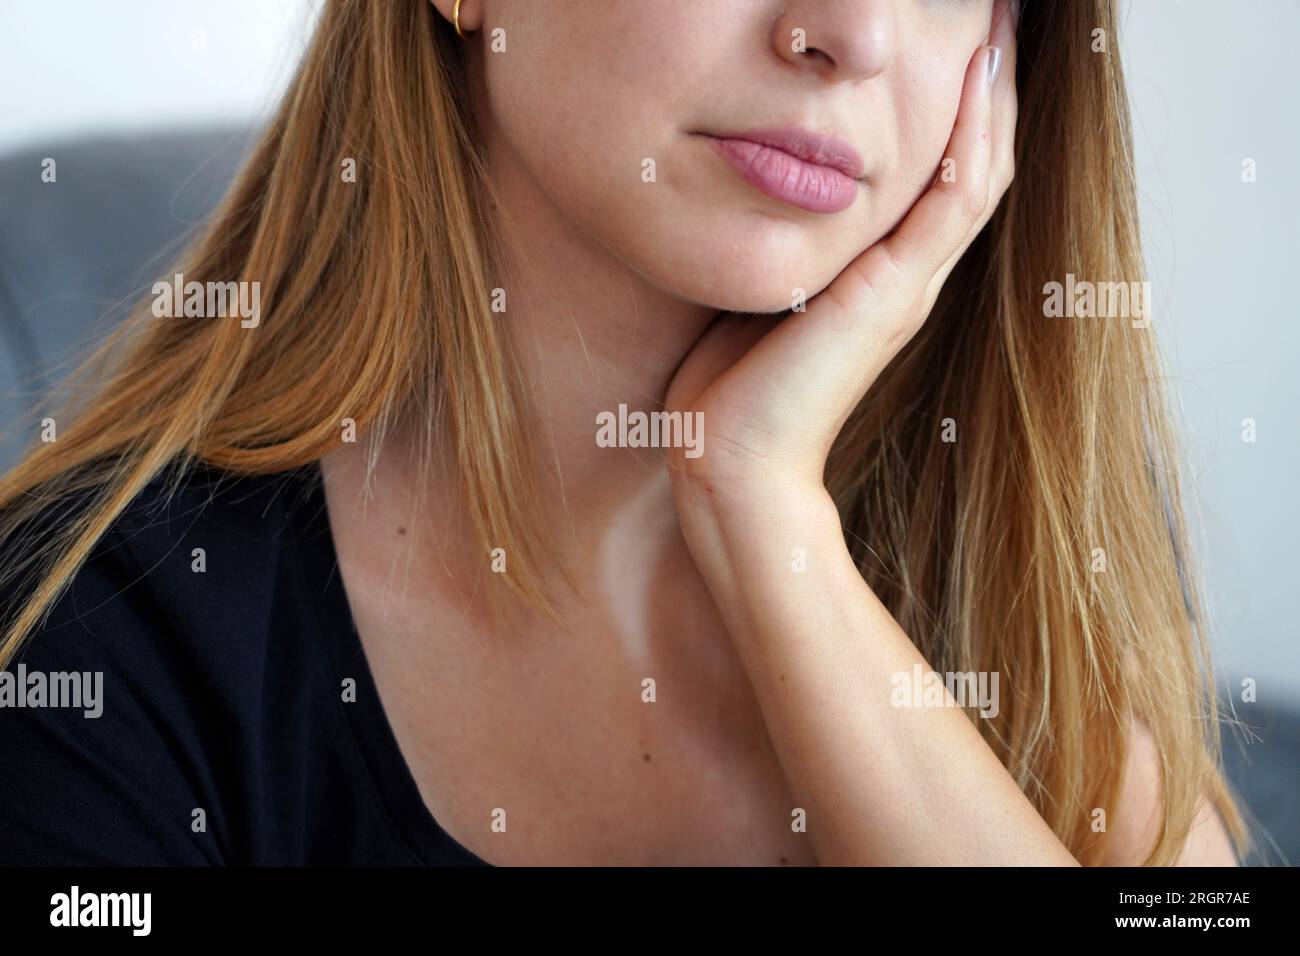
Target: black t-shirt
{"x":226,"y":732}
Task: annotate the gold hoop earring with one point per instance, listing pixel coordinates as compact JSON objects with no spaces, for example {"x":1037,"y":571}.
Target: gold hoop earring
{"x":455,"y":19}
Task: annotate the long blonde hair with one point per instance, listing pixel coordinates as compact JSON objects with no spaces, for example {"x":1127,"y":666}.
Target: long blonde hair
{"x":375,"y":307}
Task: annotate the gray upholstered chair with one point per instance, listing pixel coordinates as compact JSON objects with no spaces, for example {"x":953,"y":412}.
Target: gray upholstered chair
{"x":77,"y":252}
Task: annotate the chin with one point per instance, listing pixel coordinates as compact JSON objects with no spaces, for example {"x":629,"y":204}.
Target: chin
{"x":750,"y":299}
{"x":748,"y":282}
{"x":755,"y":273}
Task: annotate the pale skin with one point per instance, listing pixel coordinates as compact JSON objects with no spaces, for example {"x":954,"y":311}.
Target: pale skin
{"x":772,"y":686}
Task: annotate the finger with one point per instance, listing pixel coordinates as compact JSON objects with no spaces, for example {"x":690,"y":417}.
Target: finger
{"x":1005,"y":102}
{"x":1002,"y":34}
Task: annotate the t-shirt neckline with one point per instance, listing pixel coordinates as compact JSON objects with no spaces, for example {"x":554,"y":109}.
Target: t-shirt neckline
{"x":372,"y":732}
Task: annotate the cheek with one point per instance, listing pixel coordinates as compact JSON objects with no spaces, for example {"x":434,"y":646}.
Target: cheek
{"x":582,"y":132}
{"x":927,"y":110}
{"x":582,"y":125}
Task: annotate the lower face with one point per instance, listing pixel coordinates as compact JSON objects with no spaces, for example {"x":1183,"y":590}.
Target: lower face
{"x":649,"y":127}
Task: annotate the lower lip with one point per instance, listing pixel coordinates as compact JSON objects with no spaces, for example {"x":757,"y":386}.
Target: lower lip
{"x":788,"y":178}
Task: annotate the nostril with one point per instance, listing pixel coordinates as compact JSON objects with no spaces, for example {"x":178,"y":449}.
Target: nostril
{"x":816,"y":52}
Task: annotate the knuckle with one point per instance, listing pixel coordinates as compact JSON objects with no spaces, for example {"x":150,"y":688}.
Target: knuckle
{"x":905,"y":328}
{"x":975,"y":201}
{"x":856,"y":293}
{"x":891,"y":261}
{"x":1002,"y":183}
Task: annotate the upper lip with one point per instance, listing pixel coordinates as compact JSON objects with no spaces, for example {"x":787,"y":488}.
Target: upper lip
{"x":829,"y":151}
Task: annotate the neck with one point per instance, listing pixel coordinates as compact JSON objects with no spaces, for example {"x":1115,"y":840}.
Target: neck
{"x":590,"y":334}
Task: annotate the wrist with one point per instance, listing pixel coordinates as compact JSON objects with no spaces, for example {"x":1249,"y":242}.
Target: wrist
{"x":769,"y":556}
{"x":733,"y":504}
{"x":743,"y":531}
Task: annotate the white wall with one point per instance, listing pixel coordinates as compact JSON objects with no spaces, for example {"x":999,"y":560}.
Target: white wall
{"x":1212,"y":82}
{"x":71,"y":66}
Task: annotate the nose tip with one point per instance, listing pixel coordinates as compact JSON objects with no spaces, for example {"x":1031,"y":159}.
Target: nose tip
{"x":841,"y":40}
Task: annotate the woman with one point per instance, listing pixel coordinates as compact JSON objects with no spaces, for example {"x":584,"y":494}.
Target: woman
{"x":488,"y":241}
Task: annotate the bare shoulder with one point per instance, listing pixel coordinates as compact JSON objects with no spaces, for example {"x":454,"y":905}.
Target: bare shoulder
{"x":1136,"y":823}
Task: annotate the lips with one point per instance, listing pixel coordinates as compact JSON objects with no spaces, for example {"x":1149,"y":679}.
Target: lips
{"x":812,"y":172}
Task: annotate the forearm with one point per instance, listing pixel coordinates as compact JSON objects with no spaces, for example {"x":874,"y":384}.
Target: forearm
{"x":881,"y":784}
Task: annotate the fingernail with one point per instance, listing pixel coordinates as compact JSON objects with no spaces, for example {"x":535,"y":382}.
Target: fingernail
{"x":995,"y":63}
